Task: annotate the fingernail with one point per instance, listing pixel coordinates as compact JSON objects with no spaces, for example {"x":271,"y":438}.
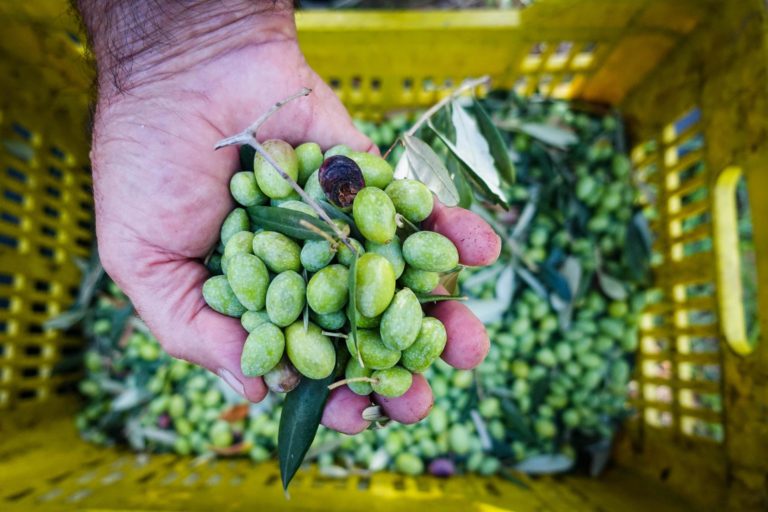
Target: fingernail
{"x":230,"y":379}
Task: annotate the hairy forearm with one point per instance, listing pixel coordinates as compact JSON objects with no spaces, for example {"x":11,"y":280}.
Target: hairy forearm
{"x":136,"y":41}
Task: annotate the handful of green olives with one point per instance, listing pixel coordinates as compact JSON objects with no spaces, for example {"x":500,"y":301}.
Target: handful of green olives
{"x":273,"y":281}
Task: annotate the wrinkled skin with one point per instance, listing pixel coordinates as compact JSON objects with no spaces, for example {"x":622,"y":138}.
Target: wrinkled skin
{"x":161,"y":191}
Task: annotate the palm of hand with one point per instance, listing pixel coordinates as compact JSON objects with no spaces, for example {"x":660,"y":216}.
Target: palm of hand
{"x":161,"y":191}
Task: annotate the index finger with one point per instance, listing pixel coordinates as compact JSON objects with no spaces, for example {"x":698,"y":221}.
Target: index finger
{"x":477,"y":242}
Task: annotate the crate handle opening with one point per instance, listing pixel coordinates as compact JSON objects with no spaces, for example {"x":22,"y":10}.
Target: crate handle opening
{"x":728,"y":258}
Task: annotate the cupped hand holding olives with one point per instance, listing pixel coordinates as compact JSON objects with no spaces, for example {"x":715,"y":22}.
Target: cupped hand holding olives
{"x":160,"y":192}
{"x":293,"y":293}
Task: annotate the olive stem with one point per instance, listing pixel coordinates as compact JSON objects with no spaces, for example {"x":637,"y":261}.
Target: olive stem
{"x":248,"y":136}
{"x":344,"y":382}
{"x":317,"y":231}
{"x":465,"y":86}
{"x":306,"y":197}
{"x":251,"y":131}
{"x":402,"y":222}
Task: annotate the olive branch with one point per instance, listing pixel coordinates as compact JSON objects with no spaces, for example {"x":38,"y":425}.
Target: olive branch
{"x":249,"y":137}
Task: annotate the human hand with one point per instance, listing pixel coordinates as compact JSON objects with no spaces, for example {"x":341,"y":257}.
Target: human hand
{"x":160,"y":189}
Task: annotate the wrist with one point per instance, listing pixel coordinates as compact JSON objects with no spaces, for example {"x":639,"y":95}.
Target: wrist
{"x":139,"y":42}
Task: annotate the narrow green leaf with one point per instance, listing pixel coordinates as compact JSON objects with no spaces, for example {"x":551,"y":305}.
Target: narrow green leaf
{"x":488,"y":310}
{"x":247,"y":153}
{"x":555,"y":281}
{"x":288,"y":222}
{"x":119,"y":317}
{"x":484,"y":188}
{"x":306,"y":305}
{"x":353,"y":301}
{"x":439,"y":298}
{"x":538,"y":391}
{"x":508,"y":475}
{"x":611,"y":286}
{"x":637,"y":249}
{"x":495,"y":142}
{"x":451,"y":281}
{"x":545,"y":464}
{"x":534,"y":283}
{"x":466,"y":196}
{"x":549,"y":134}
{"x":335,"y":213}
{"x":443,"y":121}
{"x":516,"y":421}
{"x":302,"y":411}
{"x":66,"y":319}
{"x":425,"y":166}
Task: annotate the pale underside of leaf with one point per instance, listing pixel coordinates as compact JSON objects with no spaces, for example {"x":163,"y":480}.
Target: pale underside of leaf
{"x":425,"y":166}
{"x":473,"y":148}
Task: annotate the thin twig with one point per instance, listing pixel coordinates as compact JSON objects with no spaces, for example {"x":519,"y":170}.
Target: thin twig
{"x":248,"y":136}
{"x":328,"y":238}
{"x":252,"y":131}
{"x":465,"y":86}
{"x":402,"y":222}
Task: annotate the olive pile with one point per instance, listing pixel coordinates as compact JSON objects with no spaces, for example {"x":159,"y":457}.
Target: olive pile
{"x":547,"y":388}
{"x":268,"y":278}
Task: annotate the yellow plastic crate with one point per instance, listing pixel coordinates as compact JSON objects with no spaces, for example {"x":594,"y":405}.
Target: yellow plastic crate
{"x":679,"y":69}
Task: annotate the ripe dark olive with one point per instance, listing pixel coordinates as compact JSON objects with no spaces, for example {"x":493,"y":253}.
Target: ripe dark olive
{"x":341,"y":179}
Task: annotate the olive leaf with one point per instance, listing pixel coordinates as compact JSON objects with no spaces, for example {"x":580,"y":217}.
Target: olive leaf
{"x":487,"y":310}
{"x":496,"y":142}
{"x":507,"y":474}
{"x":288,"y":222}
{"x":335,"y":213}
{"x":424,"y":165}
{"x":534,"y":283}
{"x":119,"y":318}
{"x":611,"y":286}
{"x":466,"y":196}
{"x":437,"y":298}
{"x":443,"y":120}
{"x":538,"y":390}
{"x":505,"y":285}
{"x":483,"y":276}
{"x":475,"y":168}
{"x":515,"y":421}
{"x":600,"y":454}
{"x":450,"y":281}
{"x":305,"y":314}
{"x":160,"y":436}
{"x":353,"y":301}
{"x":545,"y":464}
{"x":637,"y":248}
{"x":555,"y":281}
{"x":302,"y":411}
{"x":66,"y":319}
{"x":550,"y":135}
{"x":129,"y":399}
{"x":403,"y":168}
{"x":570,"y":270}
